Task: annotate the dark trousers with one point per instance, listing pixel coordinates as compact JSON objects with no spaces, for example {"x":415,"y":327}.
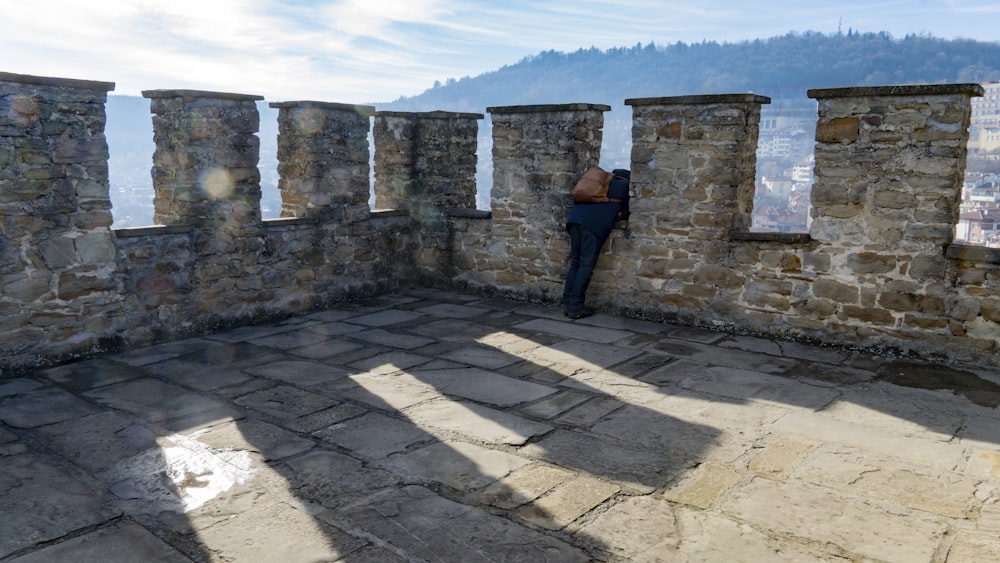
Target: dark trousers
{"x":584,"y":248}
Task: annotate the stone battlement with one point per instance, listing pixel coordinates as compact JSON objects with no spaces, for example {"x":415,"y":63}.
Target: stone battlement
{"x":877,"y":270}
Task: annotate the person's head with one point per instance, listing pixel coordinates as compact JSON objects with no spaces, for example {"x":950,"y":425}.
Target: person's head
{"x":619,"y":184}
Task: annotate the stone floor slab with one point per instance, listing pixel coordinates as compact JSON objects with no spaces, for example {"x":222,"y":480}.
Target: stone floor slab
{"x":820,"y":515}
{"x":312,"y":477}
{"x":265,"y":439}
{"x":971,"y":546}
{"x":922,"y":452}
{"x":745,"y":385}
{"x":428,"y":527}
{"x":389,"y":362}
{"x":125,"y":542}
{"x":524,"y":485}
{"x":452,"y":310}
{"x":385,"y":318}
{"x":555,"y":404}
{"x":862,"y":474}
{"x":452,"y":330}
{"x":706,"y":536}
{"x":88,"y":374}
{"x":641,"y":468}
{"x":249,"y":536}
{"x":290,"y":339}
{"x":612,"y":384}
{"x":374,"y":435}
{"x":478,"y":356}
{"x":326,"y":350}
{"x":42,"y":406}
{"x":40,"y":503}
{"x":597,"y":334}
{"x":483,"y":386}
{"x":299,"y":372}
{"x":165,"y":351}
{"x":581,"y":355}
{"x":477,"y":422}
{"x":391,"y":340}
{"x":637,"y":529}
{"x":459,"y":465}
{"x":572,"y":499}
{"x":714,"y":355}
{"x":18,"y":386}
{"x":197,"y":375}
{"x":286,"y":403}
{"x":900,"y":410}
{"x":162,"y":403}
{"x":625,"y":324}
{"x":387,"y":391}
{"x":99,"y":441}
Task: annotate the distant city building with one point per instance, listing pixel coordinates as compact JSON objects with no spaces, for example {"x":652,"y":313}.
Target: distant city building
{"x":979,"y":221}
{"x":984,"y":128}
{"x":986,"y":108}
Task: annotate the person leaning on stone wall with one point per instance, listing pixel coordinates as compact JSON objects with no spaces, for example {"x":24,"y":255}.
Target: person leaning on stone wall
{"x":589,"y":225}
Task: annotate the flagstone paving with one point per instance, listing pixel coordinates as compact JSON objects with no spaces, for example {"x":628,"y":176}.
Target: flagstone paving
{"x":438,"y":426}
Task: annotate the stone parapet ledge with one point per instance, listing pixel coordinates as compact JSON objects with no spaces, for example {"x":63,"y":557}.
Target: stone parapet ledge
{"x":699,"y":99}
{"x":153,"y":230}
{"x":546,"y":108}
{"x":366,"y":111}
{"x":194,"y":94}
{"x":786,"y":238}
{"x":971,"y":89}
{"x":469,"y":213}
{"x":57,"y":82}
{"x":282,"y":222}
{"x":383,"y":213}
{"x":436,"y":114}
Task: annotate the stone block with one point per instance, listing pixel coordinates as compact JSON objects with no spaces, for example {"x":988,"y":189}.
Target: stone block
{"x":869,"y":315}
{"x":567,"y":502}
{"x":838,"y":292}
{"x":838,"y":130}
{"x":704,"y":486}
{"x":820,"y":515}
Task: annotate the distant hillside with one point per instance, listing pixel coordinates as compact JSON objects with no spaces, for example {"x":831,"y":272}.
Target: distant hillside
{"x":780,"y":67}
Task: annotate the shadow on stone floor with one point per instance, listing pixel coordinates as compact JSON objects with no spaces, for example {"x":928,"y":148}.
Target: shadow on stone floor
{"x":426,"y":425}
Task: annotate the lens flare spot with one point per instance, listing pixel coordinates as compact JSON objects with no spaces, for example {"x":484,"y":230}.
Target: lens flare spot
{"x":309,"y":121}
{"x":22,"y":110}
{"x":216,"y":183}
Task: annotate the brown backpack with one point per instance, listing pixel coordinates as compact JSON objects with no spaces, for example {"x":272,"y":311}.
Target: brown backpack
{"x":593,"y":186}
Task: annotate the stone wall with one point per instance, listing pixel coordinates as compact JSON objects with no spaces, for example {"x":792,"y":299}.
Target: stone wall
{"x":60,"y":284}
{"x":73,"y":286}
{"x":878,"y":269}
{"x":537,"y":152}
{"x":426,"y":165}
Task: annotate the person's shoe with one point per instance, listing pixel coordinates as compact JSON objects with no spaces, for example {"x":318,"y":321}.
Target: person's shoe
{"x":579,"y":313}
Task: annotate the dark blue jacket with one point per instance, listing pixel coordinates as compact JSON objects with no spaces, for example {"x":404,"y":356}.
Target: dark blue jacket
{"x":598,"y":218}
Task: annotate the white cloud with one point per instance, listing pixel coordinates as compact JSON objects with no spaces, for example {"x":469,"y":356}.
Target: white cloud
{"x":360,"y":51}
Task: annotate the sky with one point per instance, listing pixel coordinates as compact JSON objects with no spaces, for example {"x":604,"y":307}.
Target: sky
{"x":370,"y":51}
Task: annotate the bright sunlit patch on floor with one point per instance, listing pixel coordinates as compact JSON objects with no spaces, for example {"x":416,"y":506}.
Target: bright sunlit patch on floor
{"x":181,"y":476}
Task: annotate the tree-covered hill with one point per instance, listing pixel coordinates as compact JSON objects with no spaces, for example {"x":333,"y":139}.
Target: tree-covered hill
{"x":780,"y":67}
